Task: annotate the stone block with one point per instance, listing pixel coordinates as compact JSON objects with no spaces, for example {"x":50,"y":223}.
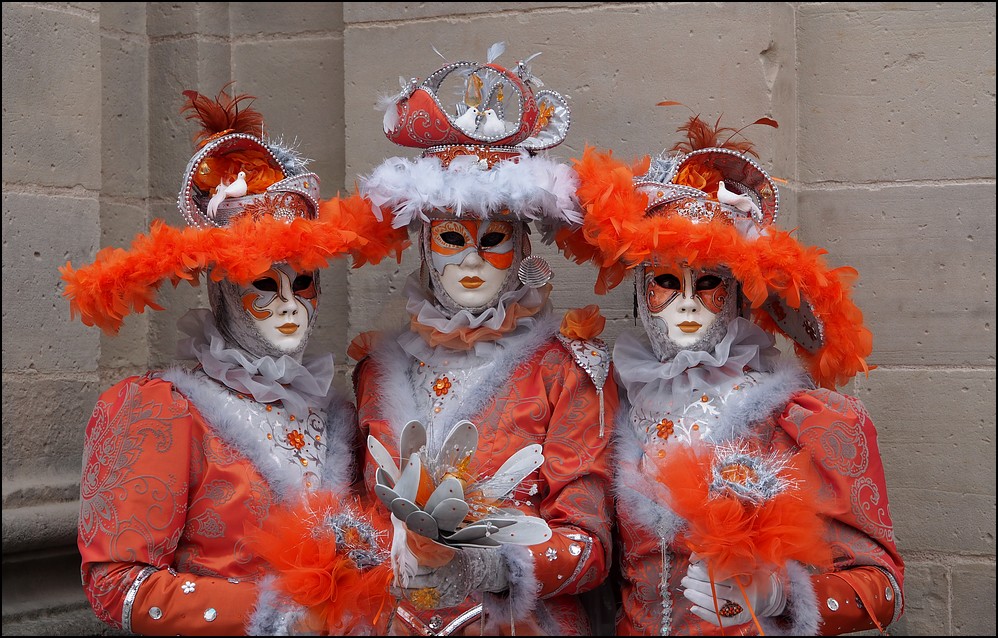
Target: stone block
{"x":176,"y":65}
{"x":926,"y":261}
{"x":51,"y":89}
{"x":926,"y":607}
{"x":303,"y":108}
{"x":974,"y":599}
{"x":129,"y":17}
{"x":124,"y":117}
{"x":39,"y":335}
{"x":926,"y":419}
{"x":896,"y":92}
{"x":166,"y":20}
{"x":306,"y":18}
{"x":356,"y":12}
{"x":44,"y":419}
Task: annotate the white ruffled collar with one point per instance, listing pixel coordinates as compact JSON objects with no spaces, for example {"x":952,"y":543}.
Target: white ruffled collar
{"x":298,"y":386}
{"x":645,"y":377}
{"x":421,"y":307}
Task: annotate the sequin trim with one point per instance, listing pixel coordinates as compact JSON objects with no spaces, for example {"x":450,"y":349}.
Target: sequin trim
{"x":581,"y":538}
{"x":126,"y":607}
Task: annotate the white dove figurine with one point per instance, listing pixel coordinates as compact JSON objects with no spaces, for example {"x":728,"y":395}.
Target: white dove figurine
{"x":223,"y":191}
{"x":468,"y":120}
{"x":492,"y":125}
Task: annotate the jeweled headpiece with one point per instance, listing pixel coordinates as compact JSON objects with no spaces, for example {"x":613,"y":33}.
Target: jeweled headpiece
{"x":705,"y":203}
{"x":249,"y":202}
{"x":480,"y":126}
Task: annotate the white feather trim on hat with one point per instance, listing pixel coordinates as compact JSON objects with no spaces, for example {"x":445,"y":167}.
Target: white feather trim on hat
{"x":530,"y":188}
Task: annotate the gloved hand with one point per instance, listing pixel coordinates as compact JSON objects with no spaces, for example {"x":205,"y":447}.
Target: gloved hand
{"x":471,"y":569}
{"x":764,"y":594}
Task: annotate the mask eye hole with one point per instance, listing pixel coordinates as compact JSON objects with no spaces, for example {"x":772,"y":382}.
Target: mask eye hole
{"x":301,"y":282}
{"x":669,"y":282}
{"x":493,"y":239}
{"x":708,"y":282}
{"x":266,"y":284}
{"x":452,"y":238}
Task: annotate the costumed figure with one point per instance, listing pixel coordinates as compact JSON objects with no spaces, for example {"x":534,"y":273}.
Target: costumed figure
{"x":750,"y":495}
{"x":486,"y":424}
{"x":183,"y":466}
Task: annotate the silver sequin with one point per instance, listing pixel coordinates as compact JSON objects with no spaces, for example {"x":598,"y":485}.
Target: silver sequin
{"x":574,"y":549}
{"x":888,"y":593}
{"x":210,"y":614}
{"x":436,"y":623}
{"x":832,"y":604}
{"x":155,"y":613}
{"x":551,"y":553}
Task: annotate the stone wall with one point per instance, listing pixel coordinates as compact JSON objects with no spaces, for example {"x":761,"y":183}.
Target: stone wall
{"x":886,"y":143}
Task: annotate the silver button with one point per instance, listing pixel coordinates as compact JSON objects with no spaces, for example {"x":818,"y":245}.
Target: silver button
{"x":833,"y":604}
{"x":210,"y":614}
{"x":436,"y":623}
{"x":155,"y":613}
{"x":574,"y":549}
{"x":888,"y":593}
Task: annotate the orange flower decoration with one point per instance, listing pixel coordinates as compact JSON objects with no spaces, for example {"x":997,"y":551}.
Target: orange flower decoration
{"x":583,"y":323}
{"x":698,"y":176}
{"x":297,"y":440}
{"x":442,"y":386}
{"x":260,"y":173}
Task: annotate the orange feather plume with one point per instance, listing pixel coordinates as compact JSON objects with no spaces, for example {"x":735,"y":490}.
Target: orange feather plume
{"x":700,"y":134}
{"x":222,"y":113}
{"x":315,"y":565}
{"x":617,"y":236}
{"x":736,"y":535}
{"x":119,"y":281}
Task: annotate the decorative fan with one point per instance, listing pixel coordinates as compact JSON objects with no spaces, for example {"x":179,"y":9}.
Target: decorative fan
{"x":437,"y":497}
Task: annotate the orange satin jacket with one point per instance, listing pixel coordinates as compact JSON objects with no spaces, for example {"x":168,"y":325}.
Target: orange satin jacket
{"x":864,"y":588}
{"x":547,"y":399}
{"x":165,"y":498}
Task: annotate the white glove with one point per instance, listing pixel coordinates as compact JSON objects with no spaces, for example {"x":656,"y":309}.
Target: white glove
{"x":764,"y":594}
{"x":471,"y":569}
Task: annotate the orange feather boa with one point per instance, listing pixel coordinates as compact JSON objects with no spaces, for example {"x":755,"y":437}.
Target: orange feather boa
{"x":315,"y":571}
{"x":120,"y":281}
{"x":738,"y":536}
{"x":617,"y":236}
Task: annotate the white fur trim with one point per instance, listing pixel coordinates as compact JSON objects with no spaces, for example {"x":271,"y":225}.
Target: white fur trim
{"x":398,"y":402}
{"x":531,"y":188}
{"x":212,"y":400}
{"x":642,"y":497}
{"x":802,"y":607}
{"x":524,"y":589}
{"x":273,"y":614}
{"x":339,"y":471}
{"x":757,"y":403}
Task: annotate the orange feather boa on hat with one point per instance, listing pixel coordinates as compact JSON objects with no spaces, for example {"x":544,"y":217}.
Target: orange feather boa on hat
{"x":120,"y":281}
{"x":617,"y":236}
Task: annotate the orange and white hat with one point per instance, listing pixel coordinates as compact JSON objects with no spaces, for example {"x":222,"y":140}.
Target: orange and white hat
{"x":249,"y":202}
{"x":705,"y":204}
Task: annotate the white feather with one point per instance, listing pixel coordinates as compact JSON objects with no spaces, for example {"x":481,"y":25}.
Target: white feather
{"x":533,"y":188}
{"x":404,"y":562}
{"x":495,"y":51}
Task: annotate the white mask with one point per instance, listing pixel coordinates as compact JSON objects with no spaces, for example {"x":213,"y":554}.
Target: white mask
{"x":472,"y":261}
{"x":685,"y":309}
{"x":271,"y":316}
